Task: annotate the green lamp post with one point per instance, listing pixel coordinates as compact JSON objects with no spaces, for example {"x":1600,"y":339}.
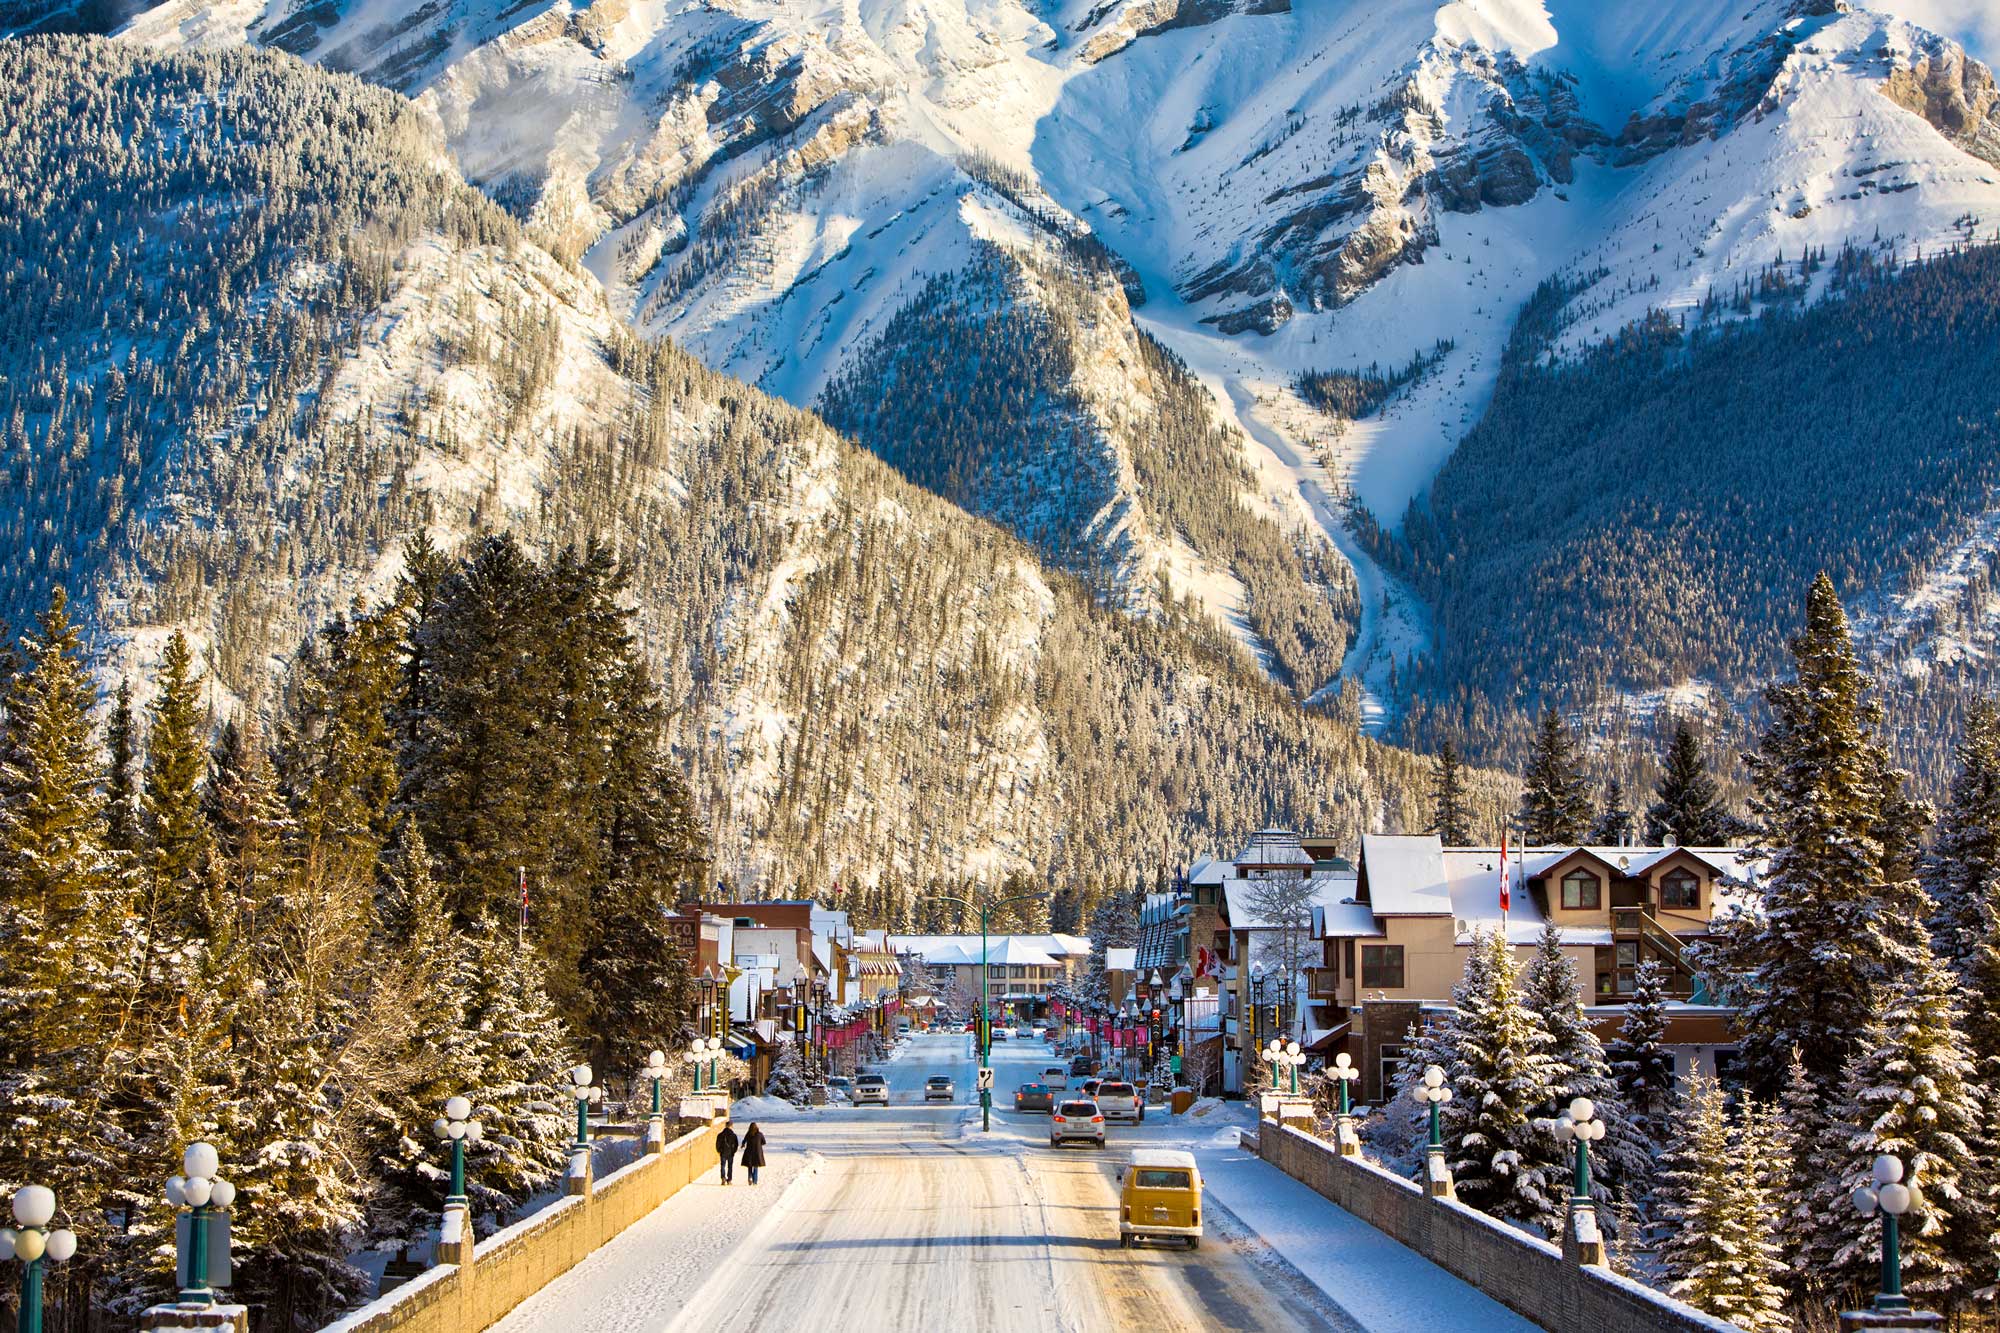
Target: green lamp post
{"x":1892,"y":1198}
{"x":458,"y":1128}
{"x":1581,"y":1123}
{"x":585,"y":1094}
{"x":199,"y":1189}
{"x":1287,"y":1054}
{"x":35,"y":1246}
{"x":1432,"y":1091}
{"x":656,"y":1069}
{"x":1344,"y":1070}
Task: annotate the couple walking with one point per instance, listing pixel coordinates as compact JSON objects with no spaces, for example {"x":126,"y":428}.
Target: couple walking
{"x":753,"y":1151}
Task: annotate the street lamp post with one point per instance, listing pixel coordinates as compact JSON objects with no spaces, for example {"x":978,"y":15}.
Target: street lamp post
{"x":458,"y":1128}
{"x":198,"y":1188}
{"x":693,"y":1055}
{"x":656,"y":1069}
{"x":1580,"y":1123}
{"x":585,"y":1094}
{"x":1286,"y":1053}
{"x":714,"y":1054}
{"x":1432,"y":1091}
{"x":1177,"y":998}
{"x":31,"y":1242}
{"x":1344,"y":1070}
{"x":1256,"y":1005}
{"x":1893,"y":1198}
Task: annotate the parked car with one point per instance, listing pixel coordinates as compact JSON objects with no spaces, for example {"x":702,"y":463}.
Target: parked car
{"x":1076,"y":1120}
{"x":1034,"y":1097}
{"x":1160,"y":1196}
{"x":871,"y":1088}
{"x":1056,"y":1077}
{"x":1121,"y":1101}
{"x":938,"y":1088}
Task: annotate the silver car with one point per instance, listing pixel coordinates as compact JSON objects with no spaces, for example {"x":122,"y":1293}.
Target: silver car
{"x":1076,"y":1120}
{"x":938,"y":1088}
{"x":871,"y":1088}
{"x":1121,"y":1101}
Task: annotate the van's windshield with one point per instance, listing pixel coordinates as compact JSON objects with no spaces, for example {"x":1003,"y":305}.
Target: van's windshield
{"x":1156,"y":1178}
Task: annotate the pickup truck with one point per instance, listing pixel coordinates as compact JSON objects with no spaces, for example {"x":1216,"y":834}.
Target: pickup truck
{"x":871,"y":1088}
{"x":938,"y":1088}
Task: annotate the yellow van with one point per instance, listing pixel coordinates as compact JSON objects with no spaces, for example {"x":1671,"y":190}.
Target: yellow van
{"x":1160,"y":1196}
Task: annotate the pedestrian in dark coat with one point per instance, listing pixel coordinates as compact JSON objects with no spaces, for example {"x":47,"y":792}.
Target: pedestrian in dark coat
{"x":753,"y":1150}
{"x":725,"y":1149}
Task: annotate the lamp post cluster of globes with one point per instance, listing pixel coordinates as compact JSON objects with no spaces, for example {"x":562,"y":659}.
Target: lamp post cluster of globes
{"x":1289,"y":1054}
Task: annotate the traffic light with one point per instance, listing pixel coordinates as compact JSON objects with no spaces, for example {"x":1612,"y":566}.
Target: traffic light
{"x":1155,"y":1037}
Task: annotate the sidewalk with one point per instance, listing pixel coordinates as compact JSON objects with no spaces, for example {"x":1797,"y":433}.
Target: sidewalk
{"x":641,"y":1279}
{"x":1386,"y":1286}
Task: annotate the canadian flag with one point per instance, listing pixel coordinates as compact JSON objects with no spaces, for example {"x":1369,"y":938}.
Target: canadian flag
{"x":1506,"y":883}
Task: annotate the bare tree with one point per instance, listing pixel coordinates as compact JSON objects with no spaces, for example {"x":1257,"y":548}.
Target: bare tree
{"x":1282,"y":937}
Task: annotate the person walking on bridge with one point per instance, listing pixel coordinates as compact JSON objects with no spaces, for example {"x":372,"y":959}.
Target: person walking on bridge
{"x":725,"y":1151}
{"x":753,"y":1150}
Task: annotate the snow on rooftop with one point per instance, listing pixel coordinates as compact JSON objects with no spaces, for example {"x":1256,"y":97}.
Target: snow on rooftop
{"x":1121,"y":960}
{"x":1344,"y":920}
{"x":1273,"y":847}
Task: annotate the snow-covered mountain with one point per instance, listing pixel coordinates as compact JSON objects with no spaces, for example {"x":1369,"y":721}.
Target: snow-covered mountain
{"x":1274,"y":188}
{"x":267,"y":347}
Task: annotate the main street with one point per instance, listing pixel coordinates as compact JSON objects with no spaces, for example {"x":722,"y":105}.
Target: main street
{"x":909,"y":1217}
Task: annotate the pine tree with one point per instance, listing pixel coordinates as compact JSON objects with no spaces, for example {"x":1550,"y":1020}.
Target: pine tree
{"x":1640,"y":1062}
{"x":1614,"y":823}
{"x":421,"y":964}
{"x":1806,"y":1240}
{"x":1760,"y":1154}
{"x":1551,"y":988}
{"x":1962,"y":871}
{"x":177,"y":840}
{"x":1689,"y":807}
{"x":64,"y":965}
{"x":1911,"y":1095}
{"x":1555,"y":805}
{"x":1503,"y":1161}
{"x":1451,"y":811}
{"x":121,"y":790}
{"x":520,"y":1057}
{"x":1719,"y":1253}
{"x":1841,"y":910}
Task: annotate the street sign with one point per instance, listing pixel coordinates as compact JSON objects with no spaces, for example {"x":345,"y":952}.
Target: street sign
{"x":985,"y":1079}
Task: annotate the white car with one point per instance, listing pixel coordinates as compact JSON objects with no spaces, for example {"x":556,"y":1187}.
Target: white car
{"x":871,"y":1088}
{"x":1077,"y":1120}
{"x":1057,"y":1077}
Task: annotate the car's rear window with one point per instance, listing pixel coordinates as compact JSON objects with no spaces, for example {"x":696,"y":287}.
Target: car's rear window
{"x":1079,"y":1108}
{"x":1114,"y":1089}
{"x":1033,"y":1087}
{"x":1156,"y":1178}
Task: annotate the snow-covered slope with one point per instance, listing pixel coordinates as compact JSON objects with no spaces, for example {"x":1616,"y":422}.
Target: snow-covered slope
{"x":1283,"y":187}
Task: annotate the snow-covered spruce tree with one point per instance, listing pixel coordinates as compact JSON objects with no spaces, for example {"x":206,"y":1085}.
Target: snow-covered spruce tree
{"x":1760,"y":1153}
{"x":65,"y":970}
{"x":1615,"y":821}
{"x":1552,"y":989}
{"x":788,"y":1080}
{"x":175,"y":836}
{"x":1689,"y":807}
{"x":1397,"y":1134}
{"x":1555,"y":800}
{"x":1806,"y":1239}
{"x":1962,"y":871}
{"x":1641,"y":1064}
{"x":1451,"y":810}
{"x":520,"y":1057}
{"x":1839,"y":911}
{"x":121,"y":782}
{"x":419,"y":964}
{"x":1910,"y":1094}
{"x":1114,"y":924}
{"x":1504,"y":1160}
{"x":1718,"y":1250}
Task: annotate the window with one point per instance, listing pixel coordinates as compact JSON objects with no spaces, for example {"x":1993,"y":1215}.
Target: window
{"x":1154,"y":1178}
{"x":1628,"y":954}
{"x":1580,"y":891}
{"x":1680,"y":888}
{"x":1392,"y":1060}
{"x":1382,"y":966}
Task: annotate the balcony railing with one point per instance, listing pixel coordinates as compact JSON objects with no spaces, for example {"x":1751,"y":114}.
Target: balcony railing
{"x":1323,"y":983}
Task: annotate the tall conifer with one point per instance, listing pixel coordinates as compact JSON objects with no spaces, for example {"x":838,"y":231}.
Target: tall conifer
{"x":1555,"y":801}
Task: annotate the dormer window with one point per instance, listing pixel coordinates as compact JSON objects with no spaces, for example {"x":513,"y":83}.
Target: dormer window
{"x":1580,"y":892}
{"x":1682,"y":889}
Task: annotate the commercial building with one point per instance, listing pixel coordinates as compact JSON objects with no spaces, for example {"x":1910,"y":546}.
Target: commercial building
{"x":1020,"y":970}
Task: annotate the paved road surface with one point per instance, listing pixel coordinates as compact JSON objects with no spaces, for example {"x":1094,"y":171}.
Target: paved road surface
{"x":908,"y":1218}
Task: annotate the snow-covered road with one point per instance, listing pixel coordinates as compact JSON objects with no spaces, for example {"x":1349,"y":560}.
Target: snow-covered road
{"x":910,"y":1218}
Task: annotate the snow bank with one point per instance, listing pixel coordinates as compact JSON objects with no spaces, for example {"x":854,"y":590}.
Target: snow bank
{"x":765,"y":1108}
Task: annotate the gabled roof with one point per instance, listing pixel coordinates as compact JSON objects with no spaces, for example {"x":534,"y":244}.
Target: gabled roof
{"x":1240,"y":898}
{"x":1405,"y":874}
{"x":1208,"y":870}
{"x":1344,"y":920}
